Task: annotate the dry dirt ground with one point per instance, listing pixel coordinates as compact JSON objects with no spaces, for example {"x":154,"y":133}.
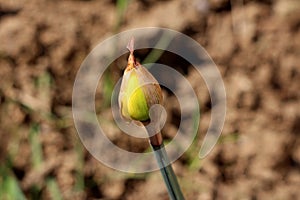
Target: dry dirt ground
{"x":256,"y":46}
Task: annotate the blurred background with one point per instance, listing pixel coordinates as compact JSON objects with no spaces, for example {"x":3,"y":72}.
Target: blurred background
{"x":256,"y":46}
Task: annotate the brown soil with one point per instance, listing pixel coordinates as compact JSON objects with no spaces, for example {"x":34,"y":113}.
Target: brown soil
{"x":256,"y":47}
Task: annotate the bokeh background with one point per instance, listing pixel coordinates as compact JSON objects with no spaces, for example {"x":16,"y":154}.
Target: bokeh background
{"x":256,"y":46}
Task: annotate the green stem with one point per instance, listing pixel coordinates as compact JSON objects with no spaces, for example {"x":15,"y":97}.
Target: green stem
{"x":167,"y":172}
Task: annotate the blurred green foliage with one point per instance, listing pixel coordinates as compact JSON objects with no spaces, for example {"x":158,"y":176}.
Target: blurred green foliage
{"x":9,"y":186}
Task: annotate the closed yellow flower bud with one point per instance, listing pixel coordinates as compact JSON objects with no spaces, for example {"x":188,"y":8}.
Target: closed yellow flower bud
{"x":139,"y":90}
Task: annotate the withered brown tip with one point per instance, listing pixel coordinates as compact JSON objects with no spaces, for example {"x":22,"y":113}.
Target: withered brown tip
{"x":130,"y":45}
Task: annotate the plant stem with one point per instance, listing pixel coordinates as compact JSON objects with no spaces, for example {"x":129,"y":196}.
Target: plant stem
{"x":166,"y":168}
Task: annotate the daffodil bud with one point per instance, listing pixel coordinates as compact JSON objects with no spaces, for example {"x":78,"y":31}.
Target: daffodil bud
{"x":139,"y":90}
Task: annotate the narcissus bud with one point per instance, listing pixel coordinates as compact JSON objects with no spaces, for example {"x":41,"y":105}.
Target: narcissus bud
{"x":139,"y":90}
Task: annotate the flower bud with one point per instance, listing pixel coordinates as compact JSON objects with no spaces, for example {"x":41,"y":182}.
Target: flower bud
{"x":139,"y":90}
